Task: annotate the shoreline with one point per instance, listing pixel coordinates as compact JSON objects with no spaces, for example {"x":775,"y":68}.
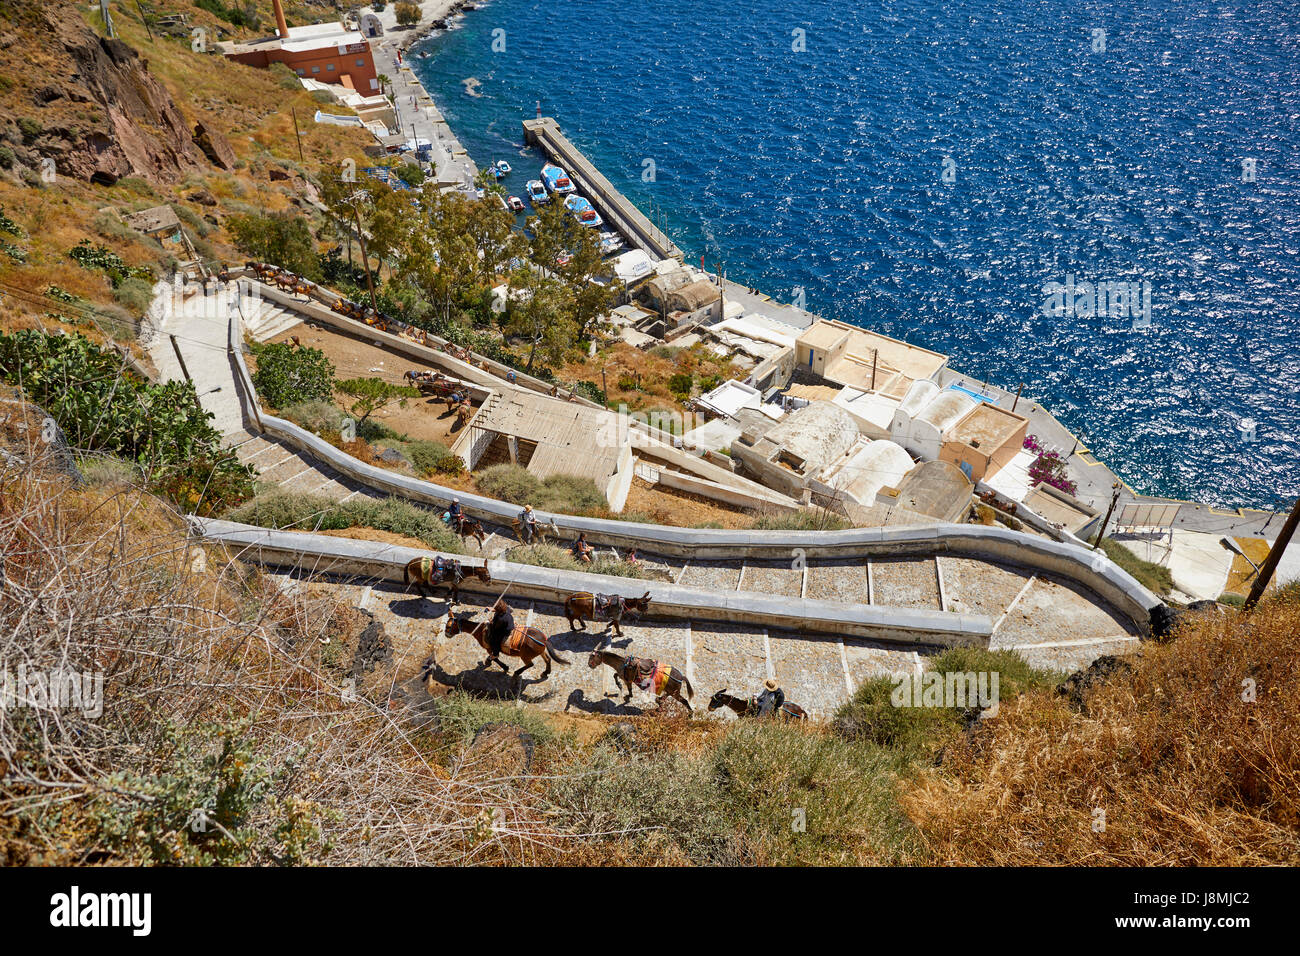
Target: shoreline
{"x":1236,"y":519}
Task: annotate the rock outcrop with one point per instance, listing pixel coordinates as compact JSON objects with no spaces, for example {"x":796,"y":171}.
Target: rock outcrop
{"x":136,"y":130}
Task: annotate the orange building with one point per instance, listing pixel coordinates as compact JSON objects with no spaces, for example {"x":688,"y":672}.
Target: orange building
{"x":326,"y":52}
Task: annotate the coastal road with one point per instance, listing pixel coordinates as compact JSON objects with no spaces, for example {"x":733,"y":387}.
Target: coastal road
{"x":420,"y":118}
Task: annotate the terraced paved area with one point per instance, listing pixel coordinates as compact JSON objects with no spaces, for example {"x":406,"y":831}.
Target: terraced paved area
{"x":1050,"y":622}
{"x":817,"y":671}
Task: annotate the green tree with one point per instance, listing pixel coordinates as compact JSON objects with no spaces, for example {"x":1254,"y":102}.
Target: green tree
{"x":287,"y":375}
{"x":408,"y":14}
{"x":281,"y":238}
{"x":378,"y":216}
{"x":371,"y":394}
{"x":540,"y":315}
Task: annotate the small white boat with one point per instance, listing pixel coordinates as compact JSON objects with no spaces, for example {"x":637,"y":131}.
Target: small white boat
{"x":500,"y":168}
{"x":610,"y":242}
{"x":516,"y":204}
{"x":537,"y":194}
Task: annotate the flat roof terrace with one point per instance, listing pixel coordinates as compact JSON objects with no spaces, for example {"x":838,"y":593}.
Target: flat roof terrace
{"x":986,"y":427}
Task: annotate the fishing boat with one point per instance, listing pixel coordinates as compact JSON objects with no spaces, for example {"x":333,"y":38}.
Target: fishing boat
{"x":583,"y":212}
{"x":557,"y":180}
{"x":500,"y":169}
{"x":516,"y":204}
{"x":537,"y":192}
{"x":610,"y":242}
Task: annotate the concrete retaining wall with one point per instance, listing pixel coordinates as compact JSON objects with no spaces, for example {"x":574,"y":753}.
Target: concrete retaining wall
{"x":344,"y":556}
{"x":1090,"y":570}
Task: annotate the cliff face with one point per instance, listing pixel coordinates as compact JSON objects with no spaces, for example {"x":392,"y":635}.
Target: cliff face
{"x":87,"y":103}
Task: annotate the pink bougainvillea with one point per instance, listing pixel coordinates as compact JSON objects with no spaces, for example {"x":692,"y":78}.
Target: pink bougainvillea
{"x":1048,"y":468}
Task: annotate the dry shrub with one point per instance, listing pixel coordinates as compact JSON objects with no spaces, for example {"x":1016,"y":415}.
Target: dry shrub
{"x":1187,"y":772}
{"x":220,"y":694}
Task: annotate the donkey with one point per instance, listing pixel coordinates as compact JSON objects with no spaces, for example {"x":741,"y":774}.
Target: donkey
{"x":658,"y":678}
{"x":525,"y":643}
{"x":748,"y":707}
{"x":468,"y":527}
{"x":428,"y":573}
{"x":583,"y":604}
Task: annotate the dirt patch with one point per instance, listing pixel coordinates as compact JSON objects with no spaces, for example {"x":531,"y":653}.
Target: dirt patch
{"x":682,"y":510}
{"x":424,"y":419}
{"x":374,"y":534}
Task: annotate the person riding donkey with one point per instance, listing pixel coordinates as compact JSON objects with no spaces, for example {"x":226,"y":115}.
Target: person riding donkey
{"x":454,"y":514}
{"x":502,"y":626}
{"x":527,"y":524}
{"x":581,"y":549}
{"x":770,"y":700}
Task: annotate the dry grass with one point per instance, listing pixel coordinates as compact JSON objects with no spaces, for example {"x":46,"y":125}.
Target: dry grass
{"x":218,"y":692}
{"x":1186,"y":771}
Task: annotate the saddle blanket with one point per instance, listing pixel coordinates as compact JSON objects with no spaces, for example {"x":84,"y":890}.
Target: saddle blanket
{"x":657,"y":679}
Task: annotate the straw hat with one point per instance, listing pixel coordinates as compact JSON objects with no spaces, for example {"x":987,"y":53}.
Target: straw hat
{"x":771,"y":684}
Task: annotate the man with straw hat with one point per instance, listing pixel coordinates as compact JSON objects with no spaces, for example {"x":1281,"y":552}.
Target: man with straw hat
{"x":770,"y":700}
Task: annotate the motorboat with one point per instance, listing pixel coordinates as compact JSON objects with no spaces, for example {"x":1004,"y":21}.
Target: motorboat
{"x":557,"y":180}
{"x":582,"y":211}
{"x":537,"y":194}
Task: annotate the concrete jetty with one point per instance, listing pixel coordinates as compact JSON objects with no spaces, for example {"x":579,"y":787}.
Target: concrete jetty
{"x":544,"y":132}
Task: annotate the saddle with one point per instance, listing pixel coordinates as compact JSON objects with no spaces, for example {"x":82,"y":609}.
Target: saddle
{"x":610,"y":605}
{"x":515,"y":642}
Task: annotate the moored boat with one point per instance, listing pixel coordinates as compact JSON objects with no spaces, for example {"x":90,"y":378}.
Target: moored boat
{"x":557,"y":180}
{"x":537,"y":192}
{"x":583,"y":211}
{"x":516,"y":204}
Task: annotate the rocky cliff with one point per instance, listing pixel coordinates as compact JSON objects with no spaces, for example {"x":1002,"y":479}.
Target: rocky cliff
{"x":86,"y":103}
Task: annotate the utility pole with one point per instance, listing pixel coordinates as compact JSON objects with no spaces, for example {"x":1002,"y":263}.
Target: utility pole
{"x":1017,"y":401}
{"x":365,"y":259}
{"x":1274,"y":556}
{"x":144,"y":19}
{"x":297,"y":134}
{"x":1114,"y":500}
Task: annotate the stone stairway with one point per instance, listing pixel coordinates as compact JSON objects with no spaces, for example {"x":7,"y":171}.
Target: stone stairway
{"x":264,"y":320}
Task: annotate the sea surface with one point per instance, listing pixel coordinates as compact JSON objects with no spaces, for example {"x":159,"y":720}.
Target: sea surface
{"x":926,"y":168}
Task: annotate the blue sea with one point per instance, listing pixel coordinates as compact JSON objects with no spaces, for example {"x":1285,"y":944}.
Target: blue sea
{"x":926,"y":168}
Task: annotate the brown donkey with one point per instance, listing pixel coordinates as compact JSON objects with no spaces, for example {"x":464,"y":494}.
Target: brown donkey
{"x":525,"y":643}
{"x":748,"y":706}
{"x":583,"y":604}
{"x":659,"y":679}
{"x":428,"y":573}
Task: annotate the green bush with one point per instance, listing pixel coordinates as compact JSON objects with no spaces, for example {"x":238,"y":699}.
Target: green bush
{"x":7,"y":157}
{"x":805,"y":519}
{"x":512,"y":483}
{"x":288,"y":375}
{"x":101,"y":405}
{"x":1156,"y":578}
{"x":135,"y":295}
{"x":318,"y":416}
{"x":282,"y":509}
{"x":105,"y":260}
{"x":29,"y":128}
{"x":554,"y":556}
{"x":1232,"y":599}
{"x":767,"y":794}
{"x":431,"y":457}
{"x":569,"y":494}
{"x":919,"y":732}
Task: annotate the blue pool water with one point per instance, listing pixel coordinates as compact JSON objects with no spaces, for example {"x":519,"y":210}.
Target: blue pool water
{"x":925,"y":168}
